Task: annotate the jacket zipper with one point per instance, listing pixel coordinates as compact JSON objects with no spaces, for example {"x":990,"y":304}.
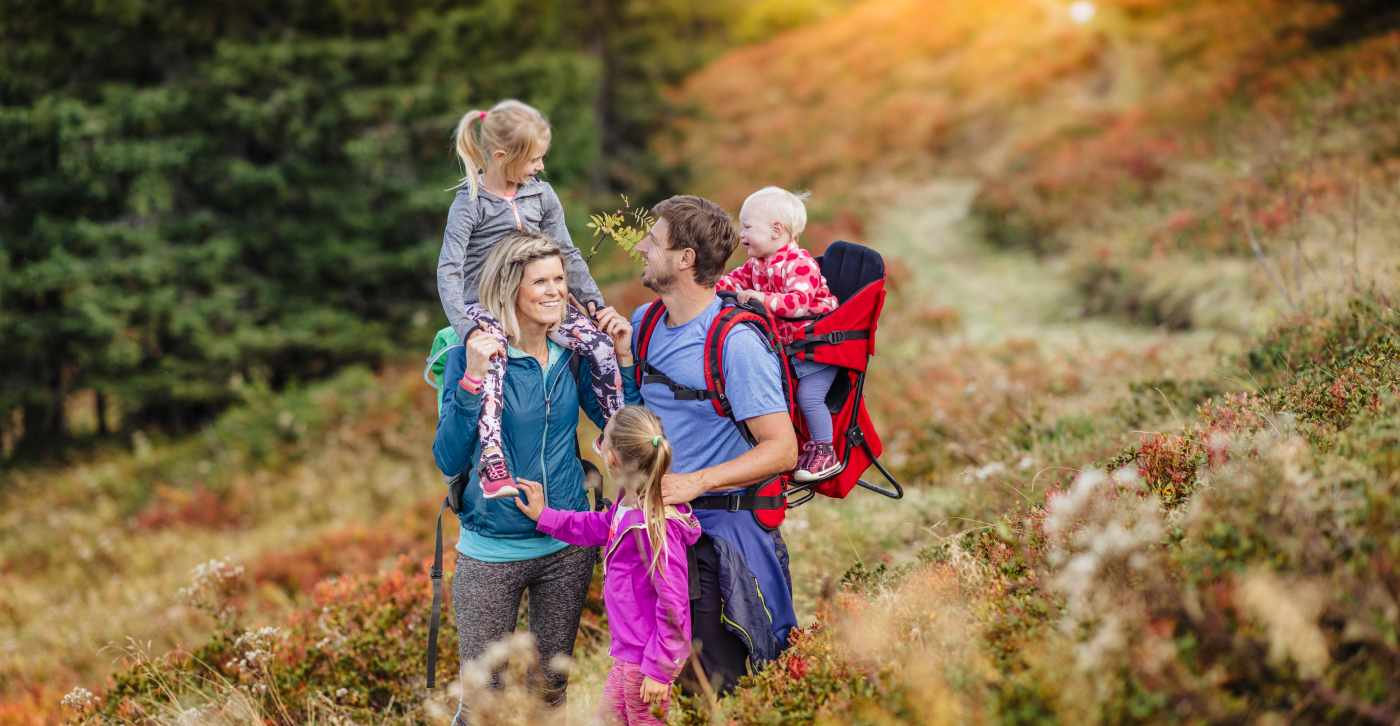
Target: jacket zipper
{"x":511,"y":202}
{"x":544,"y":440}
{"x":618,"y":538}
{"x":508,"y":200}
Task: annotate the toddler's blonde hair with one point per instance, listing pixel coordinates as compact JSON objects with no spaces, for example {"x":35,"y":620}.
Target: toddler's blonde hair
{"x":781,"y":206}
{"x":510,"y":126}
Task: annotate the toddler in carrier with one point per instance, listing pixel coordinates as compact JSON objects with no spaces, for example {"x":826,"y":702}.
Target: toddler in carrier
{"x":789,"y":282}
{"x":501,"y":195}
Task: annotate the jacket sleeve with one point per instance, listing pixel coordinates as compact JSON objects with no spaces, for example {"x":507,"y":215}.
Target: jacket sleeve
{"x":806,"y":294}
{"x":461,"y":222}
{"x":581,"y":282}
{"x":738,"y":279}
{"x":457,"y":435}
{"x":669,"y":646}
{"x":585,"y":529}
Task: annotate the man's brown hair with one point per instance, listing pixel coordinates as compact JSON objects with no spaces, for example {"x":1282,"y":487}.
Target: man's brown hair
{"x":700,"y":225}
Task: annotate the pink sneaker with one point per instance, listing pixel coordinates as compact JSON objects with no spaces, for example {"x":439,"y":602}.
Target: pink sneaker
{"x":819,"y":462}
{"x":803,"y":458}
{"x":496,"y":481}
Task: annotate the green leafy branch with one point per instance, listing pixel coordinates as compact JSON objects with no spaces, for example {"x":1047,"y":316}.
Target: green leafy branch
{"x":626,"y":226}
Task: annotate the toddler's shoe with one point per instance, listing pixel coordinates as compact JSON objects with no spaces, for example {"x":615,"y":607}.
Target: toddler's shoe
{"x":496,"y":481}
{"x":598,"y":445}
{"x":818,"y":461}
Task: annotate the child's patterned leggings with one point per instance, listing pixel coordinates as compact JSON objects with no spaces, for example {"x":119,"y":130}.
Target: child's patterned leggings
{"x":622,"y":699}
{"x":576,"y":333}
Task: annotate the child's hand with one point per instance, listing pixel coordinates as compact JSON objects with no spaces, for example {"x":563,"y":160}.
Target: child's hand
{"x":534,"y":495}
{"x":746,"y":295}
{"x":654,"y":691}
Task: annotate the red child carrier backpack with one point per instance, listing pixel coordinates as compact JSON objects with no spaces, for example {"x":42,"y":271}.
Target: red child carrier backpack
{"x":844,"y":337}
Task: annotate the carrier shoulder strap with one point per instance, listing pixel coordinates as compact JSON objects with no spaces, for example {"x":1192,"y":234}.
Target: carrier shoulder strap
{"x":730,"y":317}
{"x":646,"y":373}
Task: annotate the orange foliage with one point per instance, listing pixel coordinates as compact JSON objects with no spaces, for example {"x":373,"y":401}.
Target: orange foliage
{"x":897,"y":88}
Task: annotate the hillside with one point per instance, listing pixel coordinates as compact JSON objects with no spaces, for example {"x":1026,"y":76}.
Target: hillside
{"x":1152,"y":467}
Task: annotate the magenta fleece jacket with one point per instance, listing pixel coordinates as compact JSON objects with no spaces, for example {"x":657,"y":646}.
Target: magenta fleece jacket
{"x":648,"y":614}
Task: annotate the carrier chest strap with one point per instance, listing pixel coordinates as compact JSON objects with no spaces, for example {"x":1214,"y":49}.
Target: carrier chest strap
{"x":650,"y":374}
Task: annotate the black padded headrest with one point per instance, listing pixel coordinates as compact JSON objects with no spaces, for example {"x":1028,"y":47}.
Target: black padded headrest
{"x":849,"y":267}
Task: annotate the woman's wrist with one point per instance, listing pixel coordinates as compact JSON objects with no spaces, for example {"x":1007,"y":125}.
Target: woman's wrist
{"x":624,"y":358}
{"x":470,"y":384}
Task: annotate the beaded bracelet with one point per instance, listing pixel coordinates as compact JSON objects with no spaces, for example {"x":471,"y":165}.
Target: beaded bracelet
{"x":471,"y":385}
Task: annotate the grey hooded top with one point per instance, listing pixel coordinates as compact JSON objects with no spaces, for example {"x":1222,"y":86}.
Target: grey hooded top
{"x":474,"y":226}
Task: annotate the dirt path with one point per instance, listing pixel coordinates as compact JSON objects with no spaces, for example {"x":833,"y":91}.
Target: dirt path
{"x":997,"y":294}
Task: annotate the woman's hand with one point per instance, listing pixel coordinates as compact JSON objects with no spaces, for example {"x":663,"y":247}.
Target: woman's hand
{"x":654,"y":691}
{"x":534,"y":495}
{"x":619,"y":328}
{"x":480,"y":350}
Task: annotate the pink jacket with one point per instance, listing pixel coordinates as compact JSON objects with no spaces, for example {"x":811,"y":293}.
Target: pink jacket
{"x":793,"y":282}
{"x":648,"y":613}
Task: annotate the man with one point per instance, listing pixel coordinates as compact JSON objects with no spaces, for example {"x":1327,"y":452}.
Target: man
{"x":686,"y":253}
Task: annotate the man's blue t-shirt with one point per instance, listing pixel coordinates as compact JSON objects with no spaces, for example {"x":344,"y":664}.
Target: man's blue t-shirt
{"x":701,"y":438}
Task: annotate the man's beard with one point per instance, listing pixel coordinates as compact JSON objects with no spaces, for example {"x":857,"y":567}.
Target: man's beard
{"x":659,"y":281}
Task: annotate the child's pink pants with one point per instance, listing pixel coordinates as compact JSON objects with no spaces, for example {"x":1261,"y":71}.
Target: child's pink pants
{"x":622,"y":699}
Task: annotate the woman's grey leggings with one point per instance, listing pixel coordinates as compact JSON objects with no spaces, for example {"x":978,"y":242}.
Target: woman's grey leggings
{"x":486,"y":599}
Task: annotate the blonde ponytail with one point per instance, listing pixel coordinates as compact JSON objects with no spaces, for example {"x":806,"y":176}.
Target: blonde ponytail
{"x":510,"y":126}
{"x":469,"y":151}
{"x":636,"y":436}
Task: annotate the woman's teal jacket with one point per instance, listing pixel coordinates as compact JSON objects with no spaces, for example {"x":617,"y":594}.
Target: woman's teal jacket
{"x":539,"y":431}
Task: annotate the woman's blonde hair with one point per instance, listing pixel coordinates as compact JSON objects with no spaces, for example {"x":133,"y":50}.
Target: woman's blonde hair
{"x":504,"y":271}
{"x":644,"y":456}
{"x":510,"y":126}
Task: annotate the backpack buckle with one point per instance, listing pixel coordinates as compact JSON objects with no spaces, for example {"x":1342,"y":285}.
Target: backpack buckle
{"x":733,"y":504}
{"x":684,"y":393}
{"x":836,"y":337}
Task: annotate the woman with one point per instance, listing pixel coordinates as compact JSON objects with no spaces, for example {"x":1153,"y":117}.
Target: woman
{"x":501,"y":554}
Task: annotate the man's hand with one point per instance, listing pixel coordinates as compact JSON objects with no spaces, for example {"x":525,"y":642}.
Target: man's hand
{"x":682,"y":488}
{"x":654,"y":691}
{"x":534,"y":495}
{"x":744,"y":296}
{"x":775,"y":453}
{"x":619,"y":328}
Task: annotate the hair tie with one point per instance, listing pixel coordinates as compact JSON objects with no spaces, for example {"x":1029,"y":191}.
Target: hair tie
{"x":656,"y":441}
{"x":483,"y":114}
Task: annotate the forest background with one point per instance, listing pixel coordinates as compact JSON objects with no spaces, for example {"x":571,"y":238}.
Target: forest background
{"x":1136,"y":369}
{"x":193,"y":193}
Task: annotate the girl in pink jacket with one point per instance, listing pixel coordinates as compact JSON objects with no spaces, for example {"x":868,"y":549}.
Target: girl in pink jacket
{"x":789,"y":282}
{"x":646,"y":581}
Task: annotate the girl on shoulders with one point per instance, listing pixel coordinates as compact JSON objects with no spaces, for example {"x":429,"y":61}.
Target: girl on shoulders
{"x":500,"y":196}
